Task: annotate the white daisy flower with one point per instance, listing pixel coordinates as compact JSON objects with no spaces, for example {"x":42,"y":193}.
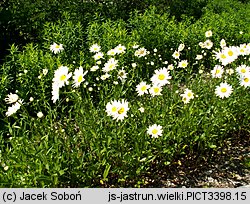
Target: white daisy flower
{"x":141,"y":52}
{"x":199,"y":57}
{"x":98,"y":56}
{"x":62,"y":76}
{"x":217,"y":71}
{"x":185,"y":98}
{"x":242,"y":49}
{"x":122,"y":75}
{"x":94,"y":68}
{"x":187,"y":95}
{"x":230,"y":71}
{"x":40,"y":114}
{"x":176,"y":55}
{"x":223,"y":43}
{"x":122,"y":110}
{"x":135,"y":46}
{"x":112,"y":108}
{"x":133,"y":65}
{"x":243,"y":70}
{"x":105,"y":76}
{"x":161,"y":77}
{"x":141,"y":109}
{"x":14,"y":108}
{"x":120,"y":49}
{"x":245,"y":80}
{"x":208,"y":44}
{"x":142,"y":88}
{"x":202,"y":45}
{"x":231,"y":54}
{"x":171,"y":67}
{"x":95,"y":48}
{"x":118,"y":110}
{"x":208,"y":33}
{"x":55,"y":92}
{"x":224,"y":90}
{"x":11,"y":98}
{"x":55,"y":48}
{"x":183,"y":64}
{"x":155,"y":90}
{"x":112,"y":52}
{"x":110,"y":65}
{"x":155,"y":131}
{"x":45,"y":72}
{"x":78,"y":77}
{"x":181,"y":47}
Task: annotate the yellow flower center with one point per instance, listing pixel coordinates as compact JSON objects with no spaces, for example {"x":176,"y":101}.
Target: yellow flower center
{"x":154,"y":131}
{"x":156,"y":89}
{"x":243,"y":71}
{"x":111,"y":66}
{"x":223,"y":90}
{"x":114,"y":109}
{"x":242,"y":50}
{"x":141,"y":52}
{"x":57,"y":46}
{"x":161,"y":76}
{"x":189,"y":94}
{"x":217,"y":71}
{"x":246,"y":80}
{"x":184,"y":64}
{"x":144,"y":88}
{"x":121,"y":110}
{"x":230,"y":53}
{"x":63,"y":77}
{"x":223,"y":56}
{"x":80,"y":78}
{"x":121,"y":74}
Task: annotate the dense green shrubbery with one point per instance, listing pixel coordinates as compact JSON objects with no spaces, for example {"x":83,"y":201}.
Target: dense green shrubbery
{"x":75,"y":143}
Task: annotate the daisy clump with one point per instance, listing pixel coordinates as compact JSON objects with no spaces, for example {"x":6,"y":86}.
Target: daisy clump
{"x":224,"y":90}
{"x":155,"y":131}
{"x":117,"y":109}
{"x":56,"y":48}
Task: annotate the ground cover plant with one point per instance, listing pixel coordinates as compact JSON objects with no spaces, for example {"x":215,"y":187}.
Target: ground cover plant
{"x":105,"y":103}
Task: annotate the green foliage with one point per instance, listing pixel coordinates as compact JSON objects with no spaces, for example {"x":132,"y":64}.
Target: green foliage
{"x":75,"y":143}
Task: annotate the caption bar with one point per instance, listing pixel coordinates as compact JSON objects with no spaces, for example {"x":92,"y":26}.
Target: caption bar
{"x":129,"y":195}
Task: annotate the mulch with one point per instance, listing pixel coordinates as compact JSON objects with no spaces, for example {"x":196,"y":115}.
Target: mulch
{"x":229,"y":167}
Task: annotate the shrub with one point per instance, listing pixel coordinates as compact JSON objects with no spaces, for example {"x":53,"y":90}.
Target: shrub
{"x":75,"y":140}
